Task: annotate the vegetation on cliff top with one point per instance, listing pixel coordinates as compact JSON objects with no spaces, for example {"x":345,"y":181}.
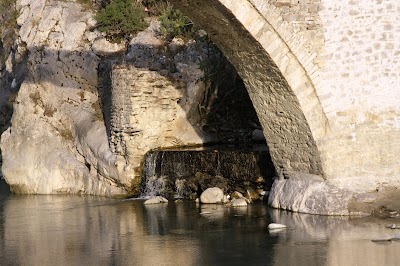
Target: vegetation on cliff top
{"x":120,"y":19}
{"x":174,"y":23}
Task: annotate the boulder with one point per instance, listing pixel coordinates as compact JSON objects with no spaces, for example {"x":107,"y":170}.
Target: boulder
{"x":311,"y":196}
{"x":212,"y":195}
{"x":241,"y":202}
{"x":156,"y":200}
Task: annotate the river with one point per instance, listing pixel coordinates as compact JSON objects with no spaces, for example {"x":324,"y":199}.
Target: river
{"x":85,"y":230}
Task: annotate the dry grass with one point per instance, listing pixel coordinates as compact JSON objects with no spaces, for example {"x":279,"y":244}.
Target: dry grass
{"x":65,"y":132}
{"x":36,"y":98}
{"x":98,"y":113}
{"x":49,"y":110}
{"x":82,"y":95}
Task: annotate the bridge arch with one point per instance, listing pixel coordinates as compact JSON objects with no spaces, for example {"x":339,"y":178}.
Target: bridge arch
{"x":278,"y":73}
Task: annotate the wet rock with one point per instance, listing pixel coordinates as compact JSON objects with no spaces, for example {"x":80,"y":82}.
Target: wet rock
{"x":212,"y":196}
{"x":156,"y":200}
{"x":241,"y":202}
{"x":201,"y":181}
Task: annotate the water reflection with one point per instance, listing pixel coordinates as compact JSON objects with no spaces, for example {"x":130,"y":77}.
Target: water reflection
{"x":73,"y":230}
{"x":334,"y":240}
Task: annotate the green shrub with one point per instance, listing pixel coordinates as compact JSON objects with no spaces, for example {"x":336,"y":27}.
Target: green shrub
{"x":175,"y":24}
{"x":120,"y":19}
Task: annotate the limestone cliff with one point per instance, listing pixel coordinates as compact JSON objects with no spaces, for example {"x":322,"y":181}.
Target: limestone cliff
{"x":57,"y":142}
{"x":87,"y":110}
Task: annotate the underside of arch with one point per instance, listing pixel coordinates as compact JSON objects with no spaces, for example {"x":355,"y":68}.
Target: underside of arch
{"x":291,"y":142}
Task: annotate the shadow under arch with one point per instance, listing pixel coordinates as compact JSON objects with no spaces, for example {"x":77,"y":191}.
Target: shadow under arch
{"x":291,"y":136}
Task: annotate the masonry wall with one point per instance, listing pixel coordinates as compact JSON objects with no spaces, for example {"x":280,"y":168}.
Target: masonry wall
{"x":361,"y":92}
{"x":147,"y":114}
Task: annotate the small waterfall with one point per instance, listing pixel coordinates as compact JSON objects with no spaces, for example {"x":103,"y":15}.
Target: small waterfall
{"x":186,"y":173}
{"x":150,"y":164}
{"x":154,"y":186}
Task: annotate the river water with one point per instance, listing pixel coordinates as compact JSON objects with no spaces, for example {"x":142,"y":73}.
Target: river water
{"x":84,"y":230}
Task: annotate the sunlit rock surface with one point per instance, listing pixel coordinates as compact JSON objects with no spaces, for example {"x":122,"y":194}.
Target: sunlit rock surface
{"x":57,"y":142}
{"x":65,"y":115}
{"x":212,"y":195}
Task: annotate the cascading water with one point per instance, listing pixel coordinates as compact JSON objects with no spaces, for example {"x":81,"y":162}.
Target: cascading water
{"x":154,"y":185}
{"x":185,"y":173}
{"x":150,"y":164}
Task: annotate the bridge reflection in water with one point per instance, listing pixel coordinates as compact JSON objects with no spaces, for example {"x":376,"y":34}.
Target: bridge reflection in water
{"x":75,"y":230}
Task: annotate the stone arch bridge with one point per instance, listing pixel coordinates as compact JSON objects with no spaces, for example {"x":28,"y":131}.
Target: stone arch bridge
{"x":323,"y":77}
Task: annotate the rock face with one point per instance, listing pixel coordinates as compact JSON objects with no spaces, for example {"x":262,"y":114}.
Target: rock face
{"x":58,"y":141}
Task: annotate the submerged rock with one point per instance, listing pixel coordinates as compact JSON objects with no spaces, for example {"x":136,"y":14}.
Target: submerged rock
{"x":212,"y":195}
{"x":156,"y":200}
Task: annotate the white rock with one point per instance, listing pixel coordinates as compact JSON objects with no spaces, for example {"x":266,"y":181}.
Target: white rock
{"x":156,"y":200}
{"x":241,"y":202}
{"x":103,"y":47}
{"x":212,"y":195}
{"x":276,"y":226}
